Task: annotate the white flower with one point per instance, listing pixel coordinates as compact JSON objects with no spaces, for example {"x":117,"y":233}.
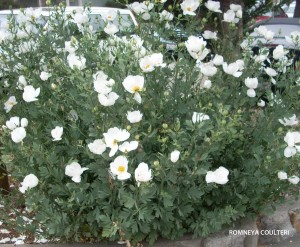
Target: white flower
{"x":109,"y":15}
{"x":71,"y":46}
{"x":229,"y":16}
{"x":237,"y":9}
{"x":189,"y":6}
{"x":208,"y":69}
{"x":271,"y":72}
{"x":251,"y":83}
{"x":261,"y":103}
{"x":113,"y":137}
{"x":142,"y":173}
{"x":263,"y":31}
{"x":18,"y":134}
{"x":134,"y":116}
{"x":74,"y":170}
{"x":30,"y":181}
{"x":13,"y":123}
{"x":97,"y":147}
{"x":279,"y":52}
{"x":108,"y":99}
{"x":157,"y":59}
{"x":136,"y":7}
{"x":206,"y":84}
{"x":101,"y":84}
{"x":197,"y":47}
{"x":56,"y":133}
{"x":21,"y":82}
{"x":289,"y":121}
{"x":291,"y":138}
{"x":119,"y":168}
{"x":294,"y":179}
{"x":76,"y":61}
{"x":10,"y":103}
{"x":213,"y":6}
{"x":30,"y":93}
{"x":294,"y":38}
{"x":251,"y":93}
{"x":134,"y":84}
{"x":210,"y":35}
{"x":260,"y":58}
{"x":24,"y":122}
{"x":81,"y":18}
{"x":282,"y":175}
{"x":146,"y":64}
{"x":111,"y":29}
{"x":232,"y":69}
{"x":44,"y":76}
{"x":128,"y":146}
{"x":101,"y":87}
{"x":175,"y":156}
{"x":166,"y":16}
{"x":198,"y":117}
{"x":218,"y":60}
{"x":219,"y":176}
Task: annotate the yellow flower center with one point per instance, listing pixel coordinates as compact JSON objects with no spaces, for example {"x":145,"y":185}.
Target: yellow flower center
{"x":121,"y":169}
{"x":11,"y":103}
{"x":189,"y":8}
{"x":115,"y":142}
{"x":147,"y":66}
{"x":136,"y":88}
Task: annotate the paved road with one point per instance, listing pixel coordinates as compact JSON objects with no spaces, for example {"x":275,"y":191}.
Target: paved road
{"x":292,"y":242}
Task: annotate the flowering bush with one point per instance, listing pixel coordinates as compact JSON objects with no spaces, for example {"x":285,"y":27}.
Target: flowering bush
{"x":112,"y":136}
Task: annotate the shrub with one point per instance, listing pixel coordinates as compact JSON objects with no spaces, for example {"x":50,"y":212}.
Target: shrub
{"x":115,"y":137}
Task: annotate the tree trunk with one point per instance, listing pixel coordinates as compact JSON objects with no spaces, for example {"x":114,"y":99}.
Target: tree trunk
{"x":297,"y":9}
{"x":4,"y":184}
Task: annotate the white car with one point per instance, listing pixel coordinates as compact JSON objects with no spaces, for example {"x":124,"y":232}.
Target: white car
{"x":281,"y":27}
{"x":289,"y":10}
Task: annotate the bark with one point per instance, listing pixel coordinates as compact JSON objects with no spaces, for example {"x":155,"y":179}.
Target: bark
{"x":297,"y":9}
{"x":4,"y":184}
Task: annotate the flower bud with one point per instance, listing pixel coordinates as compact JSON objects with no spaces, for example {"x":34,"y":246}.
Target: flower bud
{"x":165,"y":126}
{"x":156,"y":163}
{"x":53,"y":86}
{"x":128,"y":127}
{"x":137,"y":137}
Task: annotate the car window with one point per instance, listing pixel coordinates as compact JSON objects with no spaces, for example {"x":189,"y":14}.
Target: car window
{"x":124,"y":22}
{"x":3,"y":18}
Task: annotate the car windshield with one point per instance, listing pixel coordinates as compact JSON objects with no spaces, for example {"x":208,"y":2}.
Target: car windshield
{"x":3,"y":18}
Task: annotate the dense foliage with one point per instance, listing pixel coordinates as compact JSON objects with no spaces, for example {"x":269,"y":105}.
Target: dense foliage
{"x":112,"y":135}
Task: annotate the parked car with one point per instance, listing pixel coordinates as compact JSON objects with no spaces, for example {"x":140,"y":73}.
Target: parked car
{"x":126,"y":20}
{"x":290,"y":9}
{"x":276,"y":12}
{"x":281,"y":27}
